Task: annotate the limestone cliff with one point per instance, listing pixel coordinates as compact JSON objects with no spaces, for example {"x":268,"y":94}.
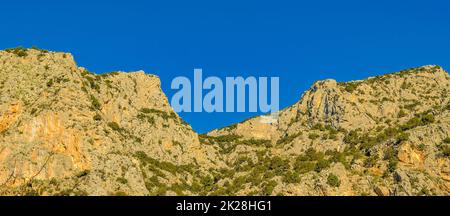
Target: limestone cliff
{"x":67,"y":131}
{"x":386,"y":135}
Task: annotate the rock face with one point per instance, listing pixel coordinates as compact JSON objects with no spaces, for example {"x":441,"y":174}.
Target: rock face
{"x":67,"y":131}
{"x":386,"y":135}
{"x":58,"y":121}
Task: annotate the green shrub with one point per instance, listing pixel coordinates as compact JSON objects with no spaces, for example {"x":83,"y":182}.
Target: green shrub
{"x":338,"y":157}
{"x":92,"y":83}
{"x":445,"y":147}
{"x":392,"y":165}
{"x":311,"y":161}
{"x":227,"y":138}
{"x":351,"y":86}
{"x":82,"y":173}
{"x":419,"y":120}
{"x":122,"y":180}
{"x":370,"y":161}
{"x":291,"y":177}
{"x":95,"y":103}
{"x":50,"y":83}
{"x":321,"y":165}
{"x":161,"y":113}
{"x":148,"y":110}
{"x":390,"y":153}
{"x":278,"y":165}
{"x":288,"y":139}
{"x":333,"y":180}
{"x":114,"y":126}
{"x":427,"y":119}
{"x":313,"y":136}
{"x":318,"y":126}
{"x":19,"y":51}
{"x":147,"y":118}
{"x":404,"y":85}
{"x":352,"y":137}
{"x":402,"y":114}
{"x":412,"y":105}
{"x":312,"y":155}
{"x":420,"y":147}
{"x":303,"y":167}
{"x":445,"y":150}
{"x":268,"y":188}
{"x":402,"y":137}
{"x":97,"y":117}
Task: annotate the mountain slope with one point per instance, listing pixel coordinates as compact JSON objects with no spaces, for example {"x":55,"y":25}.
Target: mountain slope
{"x":87,"y":132}
{"x":386,"y":135}
{"x":67,"y":131}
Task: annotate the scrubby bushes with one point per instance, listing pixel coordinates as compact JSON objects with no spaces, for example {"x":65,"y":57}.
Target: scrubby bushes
{"x":19,"y":51}
{"x":161,"y":113}
{"x":390,"y":155}
{"x":401,"y":114}
{"x":95,"y":103}
{"x":147,"y":118}
{"x":420,"y":120}
{"x":350,"y":86}
{"x":366,"y":141}
{"x":268,"y":188}
{"x":370,"y":161}
{"x":291,"y":177}
{"x":50,"y":83}
{"x":226,"y":143}
{"x":303,"y":167}
{"x":97,"y":117}
{"x":311,"y":161}
{"x":445,"y":147}
{"x":288,"y":139}
{"x":333,"y":180}
{"x":92,"y":83}
{"x":122,"y":180}
{"x":339,"y":157}
{"x":445,"y":150}
{"x":412,"y":105}
{"x":114,"y":126}
{"x":313,"y":136}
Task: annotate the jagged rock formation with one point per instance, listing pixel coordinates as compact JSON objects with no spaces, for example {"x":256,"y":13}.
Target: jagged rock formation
{"x":387,"y":135}
{"x":87,"y":133}
{"x":66,"y":131}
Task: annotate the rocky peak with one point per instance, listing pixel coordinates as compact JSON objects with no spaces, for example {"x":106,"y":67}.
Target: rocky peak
{"x":67,"y":131}
{"x":58,"y":120}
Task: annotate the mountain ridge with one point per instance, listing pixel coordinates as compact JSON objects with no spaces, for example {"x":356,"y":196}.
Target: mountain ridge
{"x":67,"y":131}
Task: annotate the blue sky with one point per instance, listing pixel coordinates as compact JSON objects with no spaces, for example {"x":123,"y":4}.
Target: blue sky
{"x":299,"y":41}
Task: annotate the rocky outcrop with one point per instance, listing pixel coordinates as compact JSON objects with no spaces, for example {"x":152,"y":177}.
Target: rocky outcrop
{"x":59,"y":121}
{"x":67,"y":131}
{"x":387,"y":131}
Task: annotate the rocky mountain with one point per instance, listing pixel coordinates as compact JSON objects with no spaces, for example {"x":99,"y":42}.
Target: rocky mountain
{"x":67,"y":131}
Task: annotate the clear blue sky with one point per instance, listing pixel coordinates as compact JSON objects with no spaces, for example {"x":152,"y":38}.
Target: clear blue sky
{"x":299,"y":41}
